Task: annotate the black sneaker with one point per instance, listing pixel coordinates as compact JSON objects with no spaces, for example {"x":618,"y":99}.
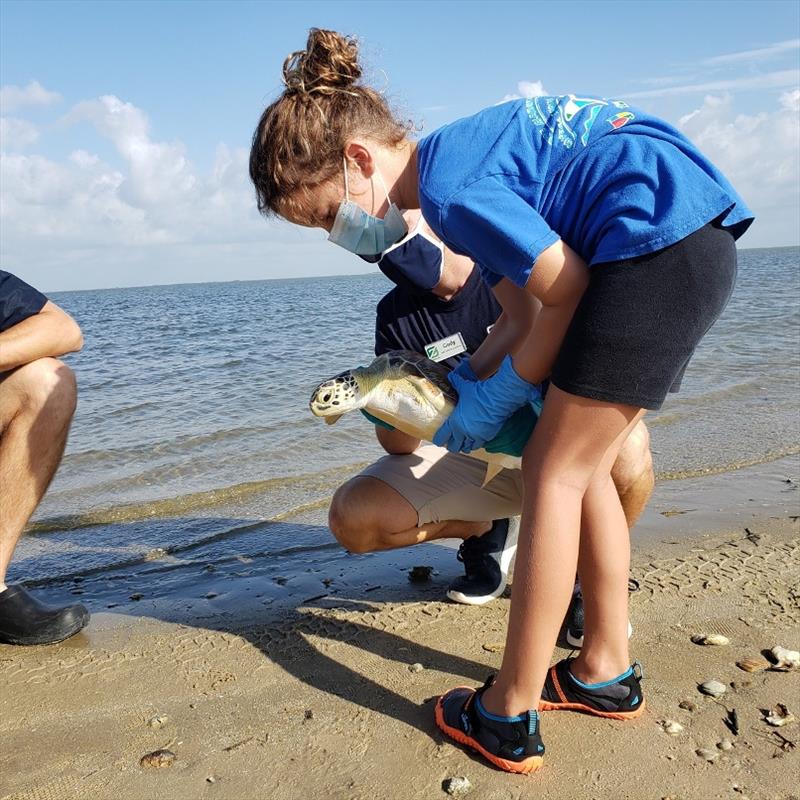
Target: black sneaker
{"x":574,"y":621}
{"x":511,"y":743}
{"x":24,"y":620}
{"x":620,"y":698}
{"x":486,"y":560}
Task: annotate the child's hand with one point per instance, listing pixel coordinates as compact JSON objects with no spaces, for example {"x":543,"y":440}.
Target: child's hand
{"x":483,"y":407}
{"x":464,"y":370}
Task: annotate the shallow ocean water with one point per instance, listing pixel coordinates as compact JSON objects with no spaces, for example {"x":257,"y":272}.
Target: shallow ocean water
{"x":193,"y":404}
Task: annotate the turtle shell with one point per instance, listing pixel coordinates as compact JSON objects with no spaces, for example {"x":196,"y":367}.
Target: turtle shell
{"x":416,"y":365}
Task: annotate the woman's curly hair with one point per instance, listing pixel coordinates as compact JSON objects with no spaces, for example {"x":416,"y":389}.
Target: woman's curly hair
{"x":300,"y":139}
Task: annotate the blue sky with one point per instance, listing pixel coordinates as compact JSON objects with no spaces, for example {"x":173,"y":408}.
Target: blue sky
{"x":126,"y":125}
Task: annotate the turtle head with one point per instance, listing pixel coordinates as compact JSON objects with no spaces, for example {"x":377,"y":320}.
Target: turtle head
{"x":336,"y":396}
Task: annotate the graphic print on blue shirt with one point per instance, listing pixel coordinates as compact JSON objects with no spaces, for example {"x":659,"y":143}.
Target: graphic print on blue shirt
{"x":555,"y":118}
{"x":611,"y":181}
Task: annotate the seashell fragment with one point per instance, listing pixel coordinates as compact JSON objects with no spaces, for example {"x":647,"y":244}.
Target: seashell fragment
{"x":671,"y":727}
{"x":709,"y":755}
{"x":458,"y":786}
{"x":779,"y":716}
{"x":415,"y":667}
{"x":754,"y":664}
{"x":687,"y":705}
{"x":712,"y":688}
{"x":785,"y":659}
{"x":159,"y":721}
{"x":420,"y":574}
{"x":711,"y":639}
{"x":725,"y":745}
{"x":158,"y":758}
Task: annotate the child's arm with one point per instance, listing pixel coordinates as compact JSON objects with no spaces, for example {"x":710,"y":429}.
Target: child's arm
{"x":520,"y":309}
{"x":559,"y":279}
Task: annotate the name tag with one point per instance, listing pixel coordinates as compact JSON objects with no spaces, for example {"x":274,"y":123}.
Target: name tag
{"x":445,"y":348}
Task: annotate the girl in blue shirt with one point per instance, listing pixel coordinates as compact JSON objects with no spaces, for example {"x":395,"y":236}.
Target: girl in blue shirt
{"x":625,"y":233}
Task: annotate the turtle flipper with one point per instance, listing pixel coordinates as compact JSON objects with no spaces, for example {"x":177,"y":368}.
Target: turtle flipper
{"x":492,"y":470}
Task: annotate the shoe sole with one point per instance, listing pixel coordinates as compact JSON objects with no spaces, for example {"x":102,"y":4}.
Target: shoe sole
{"x":475,"y":600}
{"x":505,"y":563}
{"x":33,"y":641}
{"x":530,"y":764}
{"x":546,"y":705}
{"x":565,"y":705}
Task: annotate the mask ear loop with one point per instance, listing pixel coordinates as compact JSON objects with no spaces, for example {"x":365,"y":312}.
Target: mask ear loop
{"x":346,"y":182}
{"x":385,"y":190}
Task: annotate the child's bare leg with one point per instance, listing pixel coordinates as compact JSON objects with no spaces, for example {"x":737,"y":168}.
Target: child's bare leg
{"x":574,"y":439}
{"x":603,"y":564}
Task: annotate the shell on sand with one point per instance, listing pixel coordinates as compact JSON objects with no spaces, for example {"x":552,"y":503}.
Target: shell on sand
{"x":458,"y":786}
{"x":711,"y":639}
{"x":158,"y":758}
{"x":725,"y":745}
{"x":671,"y":727}
{"x":786,"y":659}
{"x":779,"y":716}
{"x":754,"y":664}
{"x":712,"y":688}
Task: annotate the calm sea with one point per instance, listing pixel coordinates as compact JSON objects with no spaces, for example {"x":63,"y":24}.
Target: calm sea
{"x":193,"y":406}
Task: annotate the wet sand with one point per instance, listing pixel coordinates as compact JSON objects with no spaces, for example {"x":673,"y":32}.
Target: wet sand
{"x":297,"y":685}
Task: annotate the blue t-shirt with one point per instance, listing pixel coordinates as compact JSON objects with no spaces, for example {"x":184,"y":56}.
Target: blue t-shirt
{"x":18,"y":300}
{"x":609,"y":180}
{"x":412,"y":320}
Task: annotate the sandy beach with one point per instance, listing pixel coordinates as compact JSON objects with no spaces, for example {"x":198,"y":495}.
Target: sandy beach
{"x":316,"y":696}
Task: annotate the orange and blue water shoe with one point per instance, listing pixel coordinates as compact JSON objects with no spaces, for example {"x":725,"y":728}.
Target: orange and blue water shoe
{"x":619,"y":698}
{"x":511,"y":743}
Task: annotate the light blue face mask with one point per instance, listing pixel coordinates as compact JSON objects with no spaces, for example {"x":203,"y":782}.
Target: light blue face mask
{"x":362,"y":233}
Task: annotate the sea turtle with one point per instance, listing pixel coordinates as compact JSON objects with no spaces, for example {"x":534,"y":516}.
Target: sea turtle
{"x":412,"y":393}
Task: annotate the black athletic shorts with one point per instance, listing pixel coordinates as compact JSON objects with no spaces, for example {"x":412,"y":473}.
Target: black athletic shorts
{"x":640,"y":320}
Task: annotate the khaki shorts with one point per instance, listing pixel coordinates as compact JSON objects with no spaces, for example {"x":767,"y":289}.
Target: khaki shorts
{"x":445,"y":486}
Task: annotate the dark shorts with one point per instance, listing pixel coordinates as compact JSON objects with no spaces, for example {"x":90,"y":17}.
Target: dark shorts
{"x":641,"y":319}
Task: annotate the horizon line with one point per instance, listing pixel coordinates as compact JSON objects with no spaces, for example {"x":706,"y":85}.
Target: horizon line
{"x":296,"y":277}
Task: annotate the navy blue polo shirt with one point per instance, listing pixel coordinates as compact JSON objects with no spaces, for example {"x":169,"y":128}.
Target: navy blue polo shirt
{"x":18,"y":300}
{"x":411,"y":320}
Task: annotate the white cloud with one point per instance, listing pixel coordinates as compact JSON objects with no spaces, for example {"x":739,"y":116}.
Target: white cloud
{"x":759,"y":54}
{"x":17,"y":134}
{"x":87,"y":210}
{"x":34,"y":94}
{"x":780,"y":79}
{"x":759,"y":153}
{"x":526,"y":89}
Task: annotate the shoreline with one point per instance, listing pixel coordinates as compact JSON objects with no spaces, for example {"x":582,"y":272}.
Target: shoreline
{"x":243,"y":555}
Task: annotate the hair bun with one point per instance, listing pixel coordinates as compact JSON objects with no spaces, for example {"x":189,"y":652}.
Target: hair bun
{"x":328,"y":64}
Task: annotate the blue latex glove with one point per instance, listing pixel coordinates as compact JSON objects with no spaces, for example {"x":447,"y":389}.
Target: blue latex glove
{"x":482,"y":408}
{"x":465,"y":371}
{"x":379,"y":422}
